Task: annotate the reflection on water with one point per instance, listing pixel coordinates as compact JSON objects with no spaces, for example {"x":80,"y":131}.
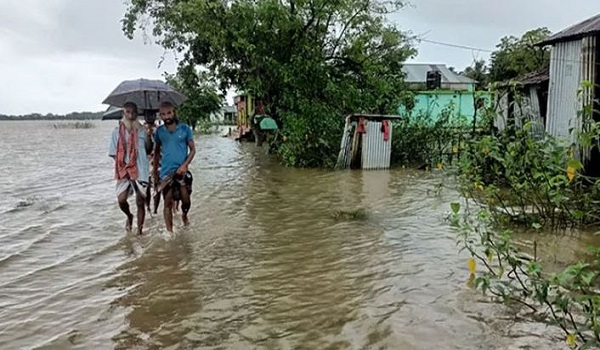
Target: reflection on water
{"x":266,"y":262}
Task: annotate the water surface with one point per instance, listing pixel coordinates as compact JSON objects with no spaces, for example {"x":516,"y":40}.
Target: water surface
{"x":267,"y":263}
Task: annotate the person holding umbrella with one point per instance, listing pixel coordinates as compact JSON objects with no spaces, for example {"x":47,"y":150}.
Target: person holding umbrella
{"x":172,"y":141}
{"x":129,"y":145}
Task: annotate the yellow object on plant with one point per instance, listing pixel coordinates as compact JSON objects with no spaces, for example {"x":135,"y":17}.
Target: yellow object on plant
{"x":571,"y":340}
{"x":472,"y":265}
{"x":571,"y":173}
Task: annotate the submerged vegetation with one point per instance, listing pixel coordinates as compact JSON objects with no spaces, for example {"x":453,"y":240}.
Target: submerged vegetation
{"x":74,"y":125}
{"x":569,"y":299}
{"x":351,"y":215}
{"x":521,"y":178}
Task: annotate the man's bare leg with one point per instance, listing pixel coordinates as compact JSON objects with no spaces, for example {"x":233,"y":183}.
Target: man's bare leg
{"x":148,"y":197}
{"x":185,"y":204}
{"x":168,"y":207}
{"x":156,"y":202}
{"x":141,"y":211}
{"x":122,"y":200}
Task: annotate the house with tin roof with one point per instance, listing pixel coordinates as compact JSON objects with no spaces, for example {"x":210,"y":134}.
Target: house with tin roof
{"x":416,"y":77}
{"x":574,"y":58}
{"x":437,"y":89}
{"x":573,"y":84}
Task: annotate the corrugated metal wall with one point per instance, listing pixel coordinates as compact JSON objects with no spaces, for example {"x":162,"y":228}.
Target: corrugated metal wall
{"x":565,"y":79}
{"x":501,"y":106}
{"x":588,"y":73}
{"x":376,"y":153}
{"x":345,"y":147}
{"x":536,"y":118}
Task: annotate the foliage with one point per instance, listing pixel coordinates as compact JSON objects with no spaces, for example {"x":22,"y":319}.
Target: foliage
{"x":311,"y":136}
{"x":424,"y":140}
{"x":50,"y":116}
{"x":350,"y":215}
{"x":528,"y":179}
{"x":310,"y":62}
{"x":528,"y":176}
{"x":570,"y":299}
{"x":478,"y":72}
{"x":202,"y":96}
{"x":516,"y":56}
{"x":206,"y":127}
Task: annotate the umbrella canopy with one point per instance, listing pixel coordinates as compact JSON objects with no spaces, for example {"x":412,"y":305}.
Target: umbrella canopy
{"x":145,"y":93}
{"x":112,"y":113}
{"x":268,"y":124}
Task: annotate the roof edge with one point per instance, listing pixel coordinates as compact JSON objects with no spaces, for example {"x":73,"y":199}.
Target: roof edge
{"x":578,"y":36}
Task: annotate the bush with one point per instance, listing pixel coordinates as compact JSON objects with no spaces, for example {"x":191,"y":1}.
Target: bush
{"x":311,"y":138}
{"x":529,"y":179}
{"x":569,"y":299}
{"x":206,"y":127}
{"x":423,"y":141}
{"x":526,"y":177}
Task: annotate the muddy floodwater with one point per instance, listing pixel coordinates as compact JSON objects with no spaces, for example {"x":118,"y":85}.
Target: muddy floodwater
{"x":275,"y":258}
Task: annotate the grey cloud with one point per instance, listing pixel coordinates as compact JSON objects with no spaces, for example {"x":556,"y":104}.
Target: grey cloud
{"x":94,"y":26}
{"x":505,"y":15}
{"x":70,"y":53}
{"x":482,"y":23}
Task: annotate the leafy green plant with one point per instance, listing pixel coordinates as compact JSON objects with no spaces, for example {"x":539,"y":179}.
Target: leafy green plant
{"x":422,"y":140}
{"x":527,"y":176}
{"x":569,"y":299}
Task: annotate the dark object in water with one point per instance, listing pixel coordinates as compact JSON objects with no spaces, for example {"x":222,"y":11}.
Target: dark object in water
{"x":168,"y":181}
{"x":188,"y":179}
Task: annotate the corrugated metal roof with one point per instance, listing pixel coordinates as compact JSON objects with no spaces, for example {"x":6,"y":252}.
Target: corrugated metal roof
{"x":532,"y":78}
{"x":417,"y":73}
{"x":577,"y":31}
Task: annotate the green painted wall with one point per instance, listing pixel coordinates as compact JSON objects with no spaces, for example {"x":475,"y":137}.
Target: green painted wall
{"x":434,"y":102}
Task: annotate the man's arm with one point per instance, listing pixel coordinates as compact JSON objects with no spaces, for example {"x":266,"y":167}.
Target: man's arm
{"x":192,"y":146}
{"x":112,"y":146}
{"x":192,"y":153}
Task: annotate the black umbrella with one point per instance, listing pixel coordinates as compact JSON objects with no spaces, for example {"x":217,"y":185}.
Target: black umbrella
{"x":145,"y":93}
{"x":116,"y":113}
{"x":113,"y":113}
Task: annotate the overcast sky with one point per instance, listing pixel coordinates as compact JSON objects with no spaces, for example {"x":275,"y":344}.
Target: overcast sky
{"x":59,"y":56}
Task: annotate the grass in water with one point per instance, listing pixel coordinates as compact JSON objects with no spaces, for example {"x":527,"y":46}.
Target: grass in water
{"x":75,"y":125}
{"x":358,"y":214}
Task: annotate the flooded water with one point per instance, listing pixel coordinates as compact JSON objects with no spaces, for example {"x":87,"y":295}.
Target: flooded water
{"x":267,"y":263}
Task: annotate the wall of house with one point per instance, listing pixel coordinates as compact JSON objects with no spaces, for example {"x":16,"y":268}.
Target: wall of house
{"x":518,"y":108}
{"x":565,"y":79}
{"x":444,"y":86}
{"x":433,"y":103}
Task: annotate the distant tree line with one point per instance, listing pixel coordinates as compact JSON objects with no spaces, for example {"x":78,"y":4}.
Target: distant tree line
{"x":50,"y":116}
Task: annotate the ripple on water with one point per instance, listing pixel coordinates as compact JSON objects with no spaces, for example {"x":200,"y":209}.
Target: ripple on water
{"x":268,"y":261}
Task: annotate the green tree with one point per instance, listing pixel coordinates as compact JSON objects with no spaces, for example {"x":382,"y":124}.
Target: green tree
{"x":202,"y":95}
{"x":479,"y":72}
{"x":310,"y":61}
{"x":516,"y":56}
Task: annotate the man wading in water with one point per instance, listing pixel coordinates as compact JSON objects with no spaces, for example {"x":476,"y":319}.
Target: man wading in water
{"x":172,"y":140}
{"x":129,"y":145}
